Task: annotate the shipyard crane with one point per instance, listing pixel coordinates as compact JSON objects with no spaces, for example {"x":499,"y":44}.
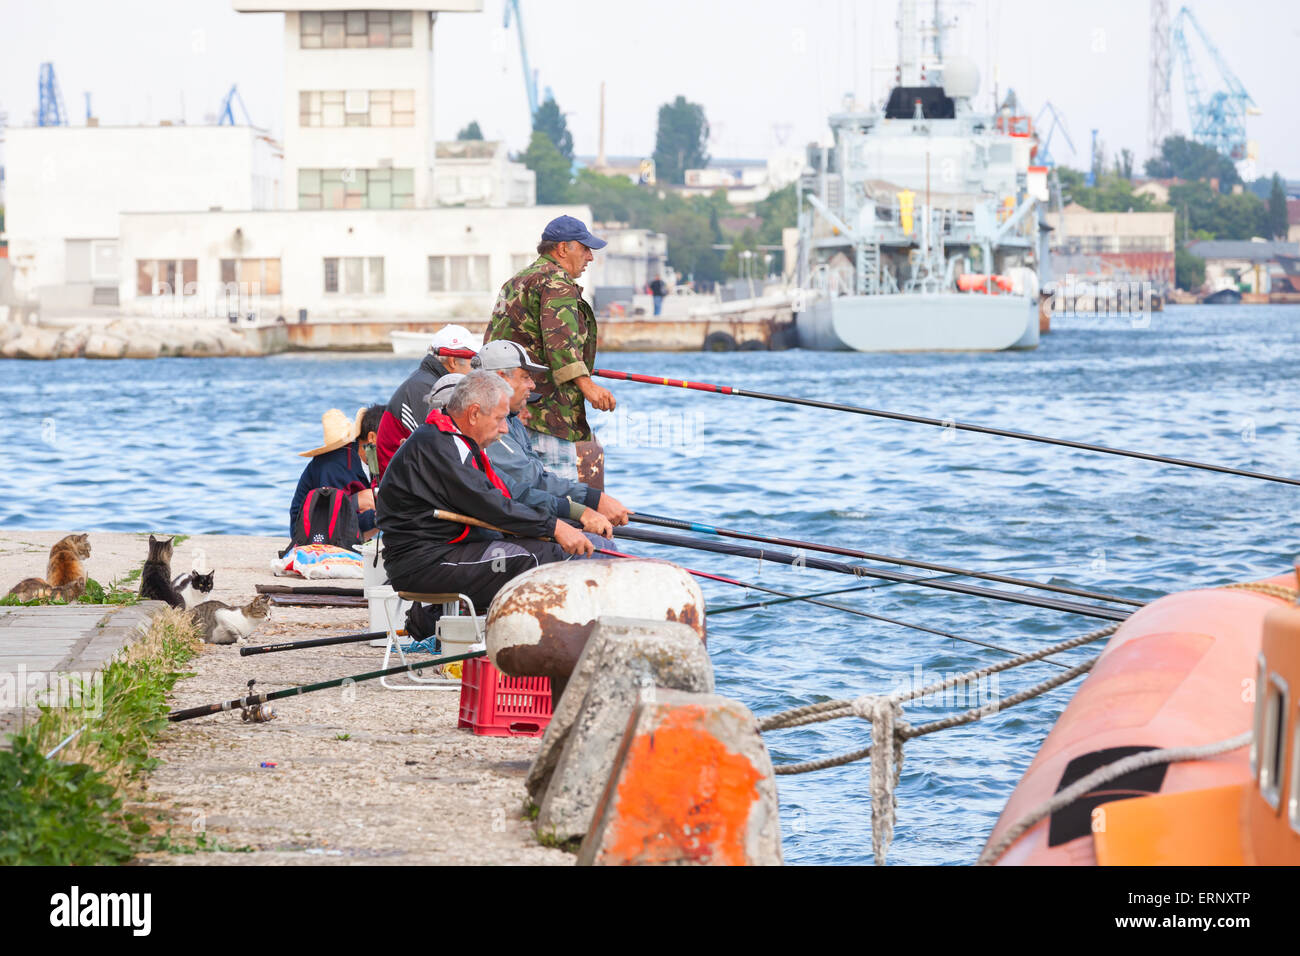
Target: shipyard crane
{"x":226,"y":114}
{"x":1219,"y":118}
{"x":52,"y":112}
{"x":1044,"y":156}
{"x":530,"y":75}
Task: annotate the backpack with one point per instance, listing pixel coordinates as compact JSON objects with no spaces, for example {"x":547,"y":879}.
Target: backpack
{"x":329,"y":516}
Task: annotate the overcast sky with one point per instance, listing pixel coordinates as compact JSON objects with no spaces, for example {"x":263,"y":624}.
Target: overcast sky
{"x":766,"y":71}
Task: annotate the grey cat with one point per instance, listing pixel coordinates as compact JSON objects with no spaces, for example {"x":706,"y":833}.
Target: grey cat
{"x":222,"y":624}
{"x":156,"y":576}
{"x":194,"y":587}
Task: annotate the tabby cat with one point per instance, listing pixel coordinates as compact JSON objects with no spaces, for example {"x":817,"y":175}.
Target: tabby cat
{"x":156,"y":576}
{"x":193,"y":586}
{"x":222,"y":624}
{"x":65,"y":575}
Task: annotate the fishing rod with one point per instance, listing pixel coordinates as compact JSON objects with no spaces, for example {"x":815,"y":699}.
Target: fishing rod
{"x":655,"y":537}
{"x":781,"y":557}
{"x":842,"y":607}
{"x":315,"y":642}
{"x":854,"y":553}
{"x":255,"y":700}
{"x":918,"y":420}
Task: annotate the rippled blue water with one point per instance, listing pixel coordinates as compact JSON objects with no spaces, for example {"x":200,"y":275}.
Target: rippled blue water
{"x":199,"y":446}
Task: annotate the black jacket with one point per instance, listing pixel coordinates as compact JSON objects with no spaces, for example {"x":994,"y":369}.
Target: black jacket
{"x":437,"y":467}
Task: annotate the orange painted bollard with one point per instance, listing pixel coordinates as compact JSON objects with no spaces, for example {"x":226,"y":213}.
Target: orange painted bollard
{"x":692,"y":784}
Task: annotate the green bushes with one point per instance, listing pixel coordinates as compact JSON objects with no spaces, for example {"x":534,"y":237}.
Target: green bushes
{"x":73,"y":808}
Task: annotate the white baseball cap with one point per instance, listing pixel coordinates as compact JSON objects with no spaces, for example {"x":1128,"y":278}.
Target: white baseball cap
{"x":440,"y":394}
{"x":455,"y":337}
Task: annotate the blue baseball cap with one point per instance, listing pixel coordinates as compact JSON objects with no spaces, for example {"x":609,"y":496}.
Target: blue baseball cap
{"x":568,"y":229}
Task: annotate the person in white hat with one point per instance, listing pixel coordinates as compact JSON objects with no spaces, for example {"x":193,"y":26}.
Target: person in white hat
{"x":408,"y":408}
{"x":338,"y":463}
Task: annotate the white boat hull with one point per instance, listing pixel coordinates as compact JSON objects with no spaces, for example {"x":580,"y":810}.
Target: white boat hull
{"x":940,"y":322}
{"x":410,"y":343}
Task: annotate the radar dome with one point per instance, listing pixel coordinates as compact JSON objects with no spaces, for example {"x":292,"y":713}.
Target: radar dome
{"x":961,"y":77}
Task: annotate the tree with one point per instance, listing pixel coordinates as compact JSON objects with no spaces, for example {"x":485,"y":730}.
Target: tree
{"x":1112,"y":193}
{"x":1124,"y":164}
{"x":551,"y":168}
{"x":549,"y":120}
{"x":681,"y":140}
{"x":1182,"y":158}
{"x":1189,"y":270}
{"x":1277,"y":217}
{"x":470,"y":132}
{"x":1218,"y":216}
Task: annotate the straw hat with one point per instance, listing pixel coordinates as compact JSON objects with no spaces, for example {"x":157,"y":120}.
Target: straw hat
{"x":338,"y":432}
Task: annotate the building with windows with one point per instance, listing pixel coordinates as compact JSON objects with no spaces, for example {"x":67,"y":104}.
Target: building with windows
{"x":1118,"y":246}
{"x":364,"y":215}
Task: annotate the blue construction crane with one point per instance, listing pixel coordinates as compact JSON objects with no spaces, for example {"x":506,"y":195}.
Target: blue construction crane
{"x":530,"y":76}
{"x":226,"y":115}
{"x":1044,"y":156}
{"x":1219,"y":120}
{"x":1094,"y":163}
{"x":52,"y":112}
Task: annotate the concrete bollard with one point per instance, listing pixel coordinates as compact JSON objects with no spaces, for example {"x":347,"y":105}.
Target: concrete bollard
{"x":624,"y":661}
{"x":692,"y":783}
{"x":539,"y":623}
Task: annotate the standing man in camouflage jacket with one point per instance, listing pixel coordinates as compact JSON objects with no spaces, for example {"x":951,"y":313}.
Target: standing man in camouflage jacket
{"x":542,"y":309}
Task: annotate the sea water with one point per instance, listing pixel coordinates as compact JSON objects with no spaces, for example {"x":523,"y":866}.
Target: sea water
{"x":210,"y":446}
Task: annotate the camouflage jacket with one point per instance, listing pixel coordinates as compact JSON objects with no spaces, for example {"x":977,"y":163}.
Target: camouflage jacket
{"x":542,"y":309}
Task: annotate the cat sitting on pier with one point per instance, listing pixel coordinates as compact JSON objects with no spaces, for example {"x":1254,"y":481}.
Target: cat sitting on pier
{"x":156,"y":576}
{"x":194,"y":586}
{"x":65,"y":575}
{"x":222,"y":624}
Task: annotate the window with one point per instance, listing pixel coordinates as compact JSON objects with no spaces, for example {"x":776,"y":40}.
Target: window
{"x":356,"y":108}
{"x":166,"y":276}
{"x":355,"y":29}
{"x":356,"y":189}
{"x":459,"y":274}
{"x":257,"y":276}
{"x":355,"y":275}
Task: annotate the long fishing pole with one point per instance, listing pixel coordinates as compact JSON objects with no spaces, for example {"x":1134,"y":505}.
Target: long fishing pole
{"x":918,"y":420}
{"x":655,"y":537}
{"x":870,"y":556}
{"x":842,"y":607}
{"x":781,"y":557}
{"x":315,"y":642}
{"x":253,"y":700}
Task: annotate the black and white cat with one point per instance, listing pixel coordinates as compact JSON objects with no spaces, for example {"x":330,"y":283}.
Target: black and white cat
{"x":222,"y":624}
{"x":194,"y":587}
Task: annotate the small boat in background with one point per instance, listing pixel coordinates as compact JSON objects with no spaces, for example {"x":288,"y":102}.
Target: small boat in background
{"x":1222,"y":297}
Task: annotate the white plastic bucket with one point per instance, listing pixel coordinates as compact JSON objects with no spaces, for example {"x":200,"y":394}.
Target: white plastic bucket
{"x":386,"y":609}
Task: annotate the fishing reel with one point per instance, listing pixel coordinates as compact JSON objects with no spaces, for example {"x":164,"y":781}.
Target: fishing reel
{"x":256,"y":713}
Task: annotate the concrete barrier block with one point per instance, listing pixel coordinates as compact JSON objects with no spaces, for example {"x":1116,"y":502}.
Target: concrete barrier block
{"x":624,"y":662}
{"x":692,"y":784}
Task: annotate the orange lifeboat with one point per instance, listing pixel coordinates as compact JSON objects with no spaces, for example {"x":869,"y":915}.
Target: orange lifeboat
{"x":1190,"y":669}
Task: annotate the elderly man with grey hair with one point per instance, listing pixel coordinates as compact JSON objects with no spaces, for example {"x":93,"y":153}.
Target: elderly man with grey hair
{"x":442,"y":467}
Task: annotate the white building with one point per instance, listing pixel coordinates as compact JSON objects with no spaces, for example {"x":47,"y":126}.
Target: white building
{"x":479,"y":172}
{"x":71,"y":183}
{"x":410,"y":264}
{"x":376,"y":219}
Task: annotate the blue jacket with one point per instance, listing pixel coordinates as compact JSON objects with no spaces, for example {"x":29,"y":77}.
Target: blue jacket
{"x":513,"y":458}
{"x":341,"y":468}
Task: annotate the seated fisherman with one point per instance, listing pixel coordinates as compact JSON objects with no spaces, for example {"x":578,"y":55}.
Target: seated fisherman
{"x":338,"y":463}
{"x":408,"y":407}
{"x":442,"y":466}
{"x":513,"y":457}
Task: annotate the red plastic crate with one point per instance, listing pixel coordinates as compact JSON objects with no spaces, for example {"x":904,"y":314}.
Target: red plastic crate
{"x":495,"y":705}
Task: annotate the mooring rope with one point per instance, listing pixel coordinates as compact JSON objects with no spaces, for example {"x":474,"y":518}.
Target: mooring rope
{"x":889,"y":730}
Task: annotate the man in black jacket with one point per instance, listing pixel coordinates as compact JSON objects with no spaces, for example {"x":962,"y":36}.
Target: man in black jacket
{"x":442,"y":466}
